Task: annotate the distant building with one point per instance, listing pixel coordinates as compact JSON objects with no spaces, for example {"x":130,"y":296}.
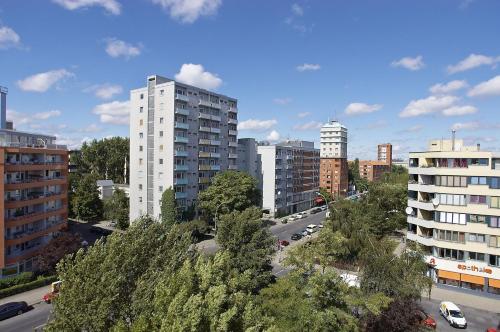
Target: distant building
{"x":289,"y":176}
{"x":34,"y":188}
{"x":248,"y":158}
{"x":400,"y":162}
{"x":180,"y":137}
{"x":334,"y":176}
{"x":454,"y":213}
{"x":106,"y":188}
{"x":373,"y":170}
{"x":73,"y":159}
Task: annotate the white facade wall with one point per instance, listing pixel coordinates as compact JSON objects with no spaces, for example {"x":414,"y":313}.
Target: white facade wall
{"x":333,"y":140}
{"x":268,"y":183}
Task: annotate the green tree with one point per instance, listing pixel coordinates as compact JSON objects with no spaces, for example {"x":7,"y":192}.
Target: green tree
{"x":169,"y":212}
{"x":117,"y":208}
{"x":249,"y":244}
{"x":326,"y":194}
{"x":86,"y":202}
{"x":385,"y":204}
{"x":229,"y":191}
{"x":402,"y":315}
{"x":56,"y":249}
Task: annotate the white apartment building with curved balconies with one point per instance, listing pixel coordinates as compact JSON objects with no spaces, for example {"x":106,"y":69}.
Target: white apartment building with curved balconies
{"x":454,"y":213}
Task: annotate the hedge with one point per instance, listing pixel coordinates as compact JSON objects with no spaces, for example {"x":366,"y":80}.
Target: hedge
{"x":22,"y":278}
{"x":41,"y":281}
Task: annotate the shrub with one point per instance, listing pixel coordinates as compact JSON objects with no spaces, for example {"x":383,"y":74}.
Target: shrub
{"x":22,"y":278}
{"x":39,"y":282}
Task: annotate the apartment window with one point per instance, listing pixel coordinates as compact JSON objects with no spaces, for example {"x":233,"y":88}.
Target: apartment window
{"x":161,"y":120}
{"x":477,"y":218}
{"x":161,"y":161}
{"x":140,"y":199}
{"x":473,"y":237}
{"x":476,"y":256}
{"x":140,"y":148}
{"x":449,"y":199}
{"x":161,"y":133}
{"x":495,"y":202}
{"x":494,"y":241}
{"x":140,"y":186}
{"x":452,"y":218}
{"x":141,"y":109}
{"x":161,"y":147}
{"x":451,"y":181}
{"x":162,"y":92}
{"x":475,"y":180}
{"x":160,"y":189}
{"x":451,"y":236}
{"x":450,"y":254}
{"x":141,"y":122}
{"x":495,"y":222}
{"x":495,"y":183}
{"x":140,"y":161}
{"x":494,"y":260}
{"x":141,"y":135}
{"x":477,"y":199}
{"x":142,"y":95}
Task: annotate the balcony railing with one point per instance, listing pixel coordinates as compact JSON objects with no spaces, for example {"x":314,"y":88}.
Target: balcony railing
{"x":182,"y":111}
{"x":181,"y":168}
{"x":179,"y":195}
{"x":180,"y":181}
{"x":178,"y":96}
{"x":233,"y":132}
{"x":181,"y":153}
{"x":209,"y":104}
{"x":234,"y":144}
{"x":181,"y":125}
{"x":181,"y":139}
{"x":233,"y":167}
{"x":232,"y":121}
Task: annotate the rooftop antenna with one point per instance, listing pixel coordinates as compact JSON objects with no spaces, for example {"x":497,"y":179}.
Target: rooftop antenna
{"x":453,"y":140}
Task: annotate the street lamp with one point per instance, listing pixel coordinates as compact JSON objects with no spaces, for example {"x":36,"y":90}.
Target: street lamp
{"x":215,"y":219}
{"x":326,"y":201}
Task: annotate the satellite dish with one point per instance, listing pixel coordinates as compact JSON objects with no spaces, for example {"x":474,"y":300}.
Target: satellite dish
{"x":409,"y":210}
{"x":435,"y":201}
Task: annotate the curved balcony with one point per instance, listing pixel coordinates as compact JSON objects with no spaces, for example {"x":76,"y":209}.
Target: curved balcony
{"x":13,"y":204}
{"x":19,"y":167}
{"x":34,"y":182}
{"x":421,"y":222}
{"x":36,"y":216}
{"x":27,"y":236}
{"x":423,"y":240}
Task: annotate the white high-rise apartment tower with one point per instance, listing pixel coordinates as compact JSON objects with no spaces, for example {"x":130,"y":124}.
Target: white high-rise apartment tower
{"x":333,"y":140}
{"x":334,"y":176}
{"x":180,"y":137}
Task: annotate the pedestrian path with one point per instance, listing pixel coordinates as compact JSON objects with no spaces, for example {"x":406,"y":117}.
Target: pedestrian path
{"x":464,"y":297}
{"x":31,"y":297}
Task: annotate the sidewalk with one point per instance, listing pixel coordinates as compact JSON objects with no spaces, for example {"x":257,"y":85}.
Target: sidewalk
{"x":466,"y":298}
{"x":31,"y":297}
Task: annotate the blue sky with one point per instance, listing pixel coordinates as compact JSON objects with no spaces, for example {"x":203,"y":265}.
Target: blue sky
{"x":391,"y":71}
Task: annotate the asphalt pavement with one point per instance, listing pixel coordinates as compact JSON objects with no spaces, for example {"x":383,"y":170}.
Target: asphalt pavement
{"x":477,"y":320}
{"x":28,"y":321}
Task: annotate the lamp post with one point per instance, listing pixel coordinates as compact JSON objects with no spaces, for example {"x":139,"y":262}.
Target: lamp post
{"x":215,"y":219}
{"x":326,"y":201}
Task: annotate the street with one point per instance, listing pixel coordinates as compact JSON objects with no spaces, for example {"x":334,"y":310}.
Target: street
{"x":28,"y":321}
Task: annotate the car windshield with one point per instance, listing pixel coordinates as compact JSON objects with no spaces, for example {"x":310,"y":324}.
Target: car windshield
{"x":456,"y":314}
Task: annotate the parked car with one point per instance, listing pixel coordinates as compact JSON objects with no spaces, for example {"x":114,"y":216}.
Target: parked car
{"x":296,"y":236}
{"x":299,"y":216}
{"x":292,"y":218}
{"x":321,"y":226}
{"x":452,"y":314}
{"x":312,"y":228}
{"x":11,"y":309}
{"x":284,"y":221}
{"x":323,"y":208}
{"x":284,"y":243}
{"x":305,"y":232}
{"x":426,"y":320}
{"x":315,"y":210}
{"x":303,"y":214}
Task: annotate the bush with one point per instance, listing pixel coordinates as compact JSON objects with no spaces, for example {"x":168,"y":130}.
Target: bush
{"x":22,"y":278}
{"x":39,"y":282}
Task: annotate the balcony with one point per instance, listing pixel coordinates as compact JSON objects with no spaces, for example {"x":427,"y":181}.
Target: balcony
{"x":204,"y":141}
{"x":204,"y":116}
{"x":181,"y":125}
{"x":181,"y":139}
{"x":181,"y":153}
{"x":21,"y":237}
{"x":209,"y":167}
{"x":232,"y":156}
{"x":420,"y":222}
{"x":26,"y":201}
{"x":181,"y":97}
{"x":423,"y":240}
{"x":207,"y":103}
{"x":203,"y":154}
{"x":30,"y":217}
{"x":182,"y":111}
{"x":233,"y":167}
{"x":204,"y":180}
{"x":180,"y":195}
{"x":180,"y":181}
{"x":215,"y":118}
{"x":233,"y":132}
{"x":234,"y":144}
{"x":232,"y":121}
{"x":233,"y":110}
{"x":215,"y":130}
{"x":214,"y":155}
{"x":421,"y":205}
{"x":34,"y":182}
{"x":214,"y":142}
{"x":205,"y":129}
{"x":181,"y":168}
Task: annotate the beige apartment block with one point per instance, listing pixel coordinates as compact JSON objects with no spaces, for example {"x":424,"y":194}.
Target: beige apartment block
{"x":454,"y":213}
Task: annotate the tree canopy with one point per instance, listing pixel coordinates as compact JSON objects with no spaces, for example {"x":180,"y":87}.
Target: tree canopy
{"x":117,"y":208}
{"x":86,"y":203}
{"x":169,"y":213}
{"x":229,"y":191}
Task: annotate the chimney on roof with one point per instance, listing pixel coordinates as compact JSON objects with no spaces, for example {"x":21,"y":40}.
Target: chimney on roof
{"x":3,"y":106}
{"x":478,"y":147}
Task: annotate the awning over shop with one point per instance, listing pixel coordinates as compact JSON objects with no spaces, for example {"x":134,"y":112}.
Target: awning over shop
{"x":494,"y":283}
{"x":472,"y":279}
{"x":449,"y":275}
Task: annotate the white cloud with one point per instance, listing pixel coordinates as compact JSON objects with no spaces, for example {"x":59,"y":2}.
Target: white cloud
{"x":92,"y":128}
{"x":273,"y":136}
{"x":472,"y":61}
{"x":312,"y":125}
{"x":303,"y":114}
{"x":43,"y":81}
{"x":297,"y":10}
{"x":415,"y":128}
{"x":9,"y":38}
{"x":188,"y":11}
{"x":282,"y":101}
{"x":409,"y":63}
{"x":118,"y":48}
{"x":196,"y":75}
{"x":308,"y":67}
{"x":111,"y":6}
{"x":104,"y":91}
{"x":361,"y":108}
{"x":115,"y":112}
{"x":466,"y":126}
{"x":445,"y":88}
{"x":46,"y":115}
{"x":459,"y":110}
{"x":431,"y":104}
{"x":256,"y":125}
{"x":487,"y":88}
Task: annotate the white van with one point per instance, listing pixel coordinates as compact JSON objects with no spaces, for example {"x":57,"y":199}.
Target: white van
{"x":312,"y":228}
{"x":452,"y":314}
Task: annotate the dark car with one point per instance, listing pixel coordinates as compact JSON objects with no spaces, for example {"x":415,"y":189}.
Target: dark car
{"x":284,"y":243}
{"x":315,"y":210}
{"x":426,"y":320}
{"x":296,"y":236}
{"x":10,"y":309}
